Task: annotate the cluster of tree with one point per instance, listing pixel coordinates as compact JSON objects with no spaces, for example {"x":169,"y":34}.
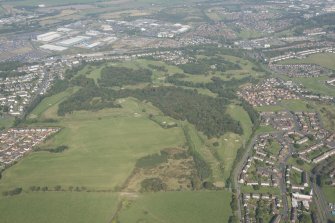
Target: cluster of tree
{"x":157,"y":67}
{"x":90,"y":98}
{"x":10,"y":65}
{"x":57,"y":149}
{"x":203,"y":168}
{"x":234,"y":202}
{"x":12,"y":192}
{"x":70,"y":73}
{"x":194,"y":68}
{"x":205,"y":112}
{"x":153,"y":185}
{"x":8,"y":69}
{"x":253,"y":114}
{"x":152,"y":160}
{"x":224,"y":89}
{"x":119,"y":76}
{"x":221,"y":64}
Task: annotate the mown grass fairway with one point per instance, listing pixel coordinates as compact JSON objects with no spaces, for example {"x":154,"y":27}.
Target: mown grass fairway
{"x":103,"y":148}
{"x":179,"y":207}
{"x":230,"y":143}
{"x":55,"y":207}
{"x":51,"y":101}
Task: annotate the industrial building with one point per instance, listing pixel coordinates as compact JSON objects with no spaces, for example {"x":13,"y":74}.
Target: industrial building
{"x":46,"y":37}
{"x":53,"y":47}
{"x":73,"y":41}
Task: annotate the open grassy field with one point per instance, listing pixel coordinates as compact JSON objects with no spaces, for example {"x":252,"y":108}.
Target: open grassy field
{"x":6,"y":122}
{"x":102,"y":158}
{"x":264,"y":129}
{"x":292,"y":105}
{"x":329,"y":192}
{"x":55,"y":207}
{"x":317,"y":85}
{"x":179,"y":207}
{"x":323,"y":59}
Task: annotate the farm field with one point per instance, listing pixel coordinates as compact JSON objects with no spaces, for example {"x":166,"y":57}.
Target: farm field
{"x":178,"y":207}
{"x":55,"y":207}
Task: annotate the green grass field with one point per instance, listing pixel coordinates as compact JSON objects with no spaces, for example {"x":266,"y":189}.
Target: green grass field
{"x":329,"y":192}
{"x":179,"y":207}
{"x":6,"y":122}
{"x":317,"y":85}
{"x":323,"y":59}
{"x":102,"y":158}
{"x":264,"y":129}
{"x":230,"y":143}
{"x":56,"y":207}
{"x":291,"y":105}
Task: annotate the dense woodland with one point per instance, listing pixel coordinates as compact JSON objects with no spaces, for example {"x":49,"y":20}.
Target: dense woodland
{"x":119,"y":76}
{"x":7,"y":69}
{"x":205,"y":112}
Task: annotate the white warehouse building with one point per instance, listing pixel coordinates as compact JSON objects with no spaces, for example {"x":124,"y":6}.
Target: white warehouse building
{"x":46,"y":37}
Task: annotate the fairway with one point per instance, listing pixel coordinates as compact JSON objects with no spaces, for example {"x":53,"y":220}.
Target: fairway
{"x":239,"y":114}
{"x":55,"y":207}
{"x":179,"y":207}
{"x":99,"y":159}
{"x":48,"y":102}
{"x":230,"y":143}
